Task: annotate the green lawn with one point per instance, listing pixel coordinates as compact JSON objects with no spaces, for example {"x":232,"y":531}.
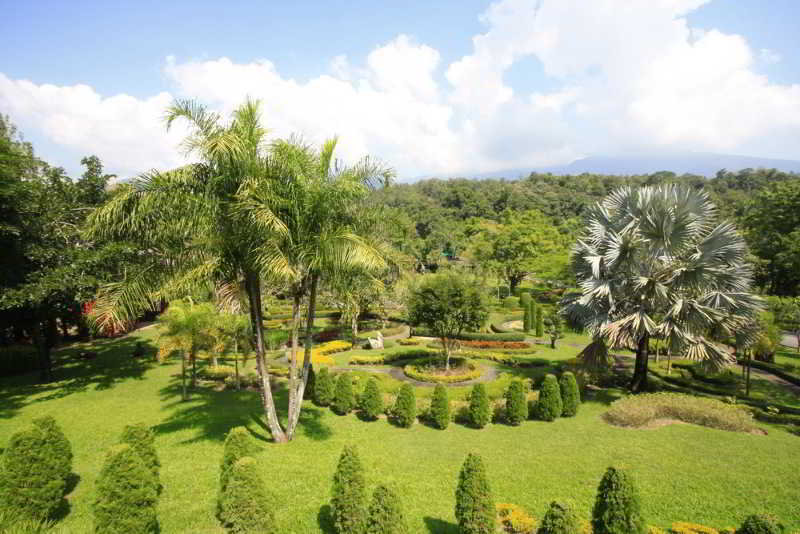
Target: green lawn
{"x":684,"y":472}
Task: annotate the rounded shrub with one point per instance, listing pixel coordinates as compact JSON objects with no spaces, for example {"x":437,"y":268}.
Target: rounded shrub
{"x":126,"y":498}
{"x":479,"y":411}
{"x":559,"y":519}
{"x":323,"y":388}
{"x":475,"y":509}
{"x":570,"y":394}
{"x":31,"y":483}
{"x":343,"y":399}
{"x":440,"y":407}
{"x":405,"y":406}
{"x":385,"y":514}
{"x":760,"y":524}
{"x":61,"y":450}
{"x":549,"y":405}
{"x":142,"y":440}
{"x":238,"y":444}
{"x":516,"y":403}
{"x":348,"y":502}
{"x":511,"y":303}
{"x":371,"y":401}
{"x":245,"y":506}
{"x":617,"y":507}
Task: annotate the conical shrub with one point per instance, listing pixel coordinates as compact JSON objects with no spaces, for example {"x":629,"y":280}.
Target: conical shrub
{"x":549,"y":406}
{"x":143,"y":441}
{"x":479,"y":411}
{"x":343,"y":400}
{"x":371,"y":401}
{"x":238,"y":444}
{"x":385,"y":514}
{"x":475,"y":509}
{"x":570,"y":394}
{"x":539,"y":322}
{"x":559,"y":519}
{"x":323,"y":388}
{"x":516,"y":403}
{"x":348,"y":503}
{"x":526,"y":317}
{"x":760,"y":524}
{"x":126,"y":498}
{"x":61,"y":449}
{"x":246,"y":507}
{"x":405,"y":406}
{"x":617,"y":506}
{"x":440,"y":407}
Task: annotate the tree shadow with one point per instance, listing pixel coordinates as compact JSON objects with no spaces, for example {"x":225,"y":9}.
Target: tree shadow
{"x":440,"y":526}
{"x":602,"y":396}
{"x":325,"y":519}
{"x":72,"y":482}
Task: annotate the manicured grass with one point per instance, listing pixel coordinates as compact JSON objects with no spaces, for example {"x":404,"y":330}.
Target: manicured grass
{"x":684,"y":472}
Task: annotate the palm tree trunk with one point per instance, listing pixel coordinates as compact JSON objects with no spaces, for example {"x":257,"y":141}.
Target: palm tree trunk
{"x":294,"y":417}
{"x":639,"y":380}
{"x":747,"y":380}
{"x":293,"y":400}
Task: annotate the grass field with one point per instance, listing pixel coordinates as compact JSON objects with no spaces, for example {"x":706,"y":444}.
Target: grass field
{"x":684,"y":472}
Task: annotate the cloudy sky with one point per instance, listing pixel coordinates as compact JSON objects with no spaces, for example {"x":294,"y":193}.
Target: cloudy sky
{"x":438,"y":87}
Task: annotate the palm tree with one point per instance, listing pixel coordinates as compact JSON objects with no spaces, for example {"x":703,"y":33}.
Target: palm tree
{"x":232,"y":334}
{"x":655,"y":261}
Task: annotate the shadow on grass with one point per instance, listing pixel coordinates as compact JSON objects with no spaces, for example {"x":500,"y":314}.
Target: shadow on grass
{"x":440,"y":526}
{"x":603,"y":396}
{"x":325,"y":519}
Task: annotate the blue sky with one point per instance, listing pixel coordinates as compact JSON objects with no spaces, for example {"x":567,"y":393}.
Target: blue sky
{"x":432,"y":99}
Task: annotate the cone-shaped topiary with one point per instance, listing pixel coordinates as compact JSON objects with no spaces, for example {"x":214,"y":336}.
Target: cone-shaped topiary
{"x":479,"y":412}
{"x":516,"y":403}
{"x":126,"y":498}
{"x":246,"y":505}
{"x":617,"y":507}
{"x":385,"y":514}
{"x":343,"y":399}
{"x":570,"y":394}
{"x":238,"y":444}
{"x":539,"y":322}
{"x":348,"y":503}
{"x":440,"y":407}
{"x":760,"y":524}
{"x":371,"y":400}
{"x":549,"y":406}
{"x":31,"y":483}
{"x":142,"y":440}
{"x":559,"y":519}
{"x":526,"y":317}
{"x":475,"y":509}
{"x":61,"y":448}
{"x":308,"y":393}
{"x":524,"y":298}
{"x":405,"y":407}
{"x":323,"y":388}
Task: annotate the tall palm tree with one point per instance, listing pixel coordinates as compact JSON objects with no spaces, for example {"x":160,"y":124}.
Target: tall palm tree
{"x":656,"y":261}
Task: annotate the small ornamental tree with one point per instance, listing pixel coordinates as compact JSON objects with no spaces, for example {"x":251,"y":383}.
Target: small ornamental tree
{"x":760,"y":524}
{"x":539,"y":319}
{"x":516,"y":403}
{"x":323,"y":388}
{"x":405,"y":406}
{"x":440,"y":407}
{"x":448,"y":304}
{"x":549,"y":405}
{"x":559,"y":519}
{"x":554,"y":329}
{"x":348,"y":503}
{"x":245,"y":506}
{"x":142,"y":440}
{"x":570,"y":394}
{"x":238,"y":444}
{"x":475,"y":509}
{"x":479,"y":411}
{"x":61,"y":450}
{"x":343,"y":400}
{"x":617,"y":508}
{"x":371,"y":400}
{"x":385,"y":514}
{"x":126,"y":498}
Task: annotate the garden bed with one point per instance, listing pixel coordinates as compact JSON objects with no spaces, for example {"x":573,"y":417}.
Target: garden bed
{"x":433,"y":370}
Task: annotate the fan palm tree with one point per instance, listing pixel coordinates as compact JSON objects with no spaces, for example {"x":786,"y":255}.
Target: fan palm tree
{"x":655,"y":261}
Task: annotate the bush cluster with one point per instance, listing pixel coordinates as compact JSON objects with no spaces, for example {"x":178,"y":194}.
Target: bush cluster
{"x":418,"y":371}
{"x":126,"y":497}
{"x":343,"y":399}
{"x":142,"y":441}
{"x":475,"y":510}
{"x":549,"y":406}
{"x":516,"y":403}
{"x":760,"y":524}
{"x":570,"y":394}
{"x":385,"y":514}
{"x":404,"y":411}
{"x":324,"y":388}
{"x":245,"y":505}
{"x":60,"y":448}
{"x":371,"y":402}
{"x":440,"y":407}
{"x":238,"y":444}
{"x":617,"y":508}
{"x":559,"y":519}
{"x":348,"y":502}
{"x":479,"y":411}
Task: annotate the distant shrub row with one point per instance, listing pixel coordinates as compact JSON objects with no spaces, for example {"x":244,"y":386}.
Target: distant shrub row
{"x":475,"y":336}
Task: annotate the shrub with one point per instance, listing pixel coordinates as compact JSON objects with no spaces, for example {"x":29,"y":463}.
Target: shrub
{"x":549,"y":406}
{"x":485,"y":344}
{"x":323,"y":390}
{"x":126,"y":498}
{"x":570,"y":394}
{"x":440,"y":407}
{"x":511,"y":303}
{"x":348,"y":500}
{"x":526,"y":318}
{"x":31,"y":482}
{"x":539,"y":322}
{"x":760,"y":524}
{"x":238,"y":444}
{"x":408,"y":341}
{"x":245,"y":506}
{"x":475,"y":509}
{"x":343,"y":399}
{"x":516,"y":403}
{"x":308,"y":392}
{"x":142,"y":441}
{"x":616,"y":509}
{"x":405,"y":406}
{"x":559,"y":519}
{"x":217,"y":372}
{"x":418,"y":371}
{"x":515,"y":520}
{"x":371,"y":400}
{"x":61,"y":450}
{"x":475,"y":336}
{"x":385,"y":513}
{"x":479,"y":412}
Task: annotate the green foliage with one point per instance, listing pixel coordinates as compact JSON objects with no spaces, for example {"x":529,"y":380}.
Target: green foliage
{"x":475,"y":509}
{"x":31,"y":476}
{"x":385,"y":514}
{"x":570,"y":394}
{"x":343,"y":400}
{"x":405,"y":406}
{"x":549,"y":405}
{"x":348,"y":502}
{"x":371,"y":400}
{"x":61,"y":450}
{"x":526,"y":317}
{"x":142,"y":440}
{"x":238,"y":444}
{"x":323,"y":388}
{"x":559,"y":519}
{"x":511,"y":303}
{"x":440,"y":407}
{"x":524,"y":298}
{"x":246,"y":507}
{"x":126,"y":498}
{"x":308,"y":393}
{"x":760,"y":524}
{"x":479,"y":411}
{"x":617,"y":508}
{"x":539,"y":321}
{"x":516,"y":403}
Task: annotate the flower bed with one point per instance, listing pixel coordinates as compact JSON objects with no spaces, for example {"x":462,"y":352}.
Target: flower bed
{"x":411,"y":354}
{"x":478,"y":344}
{"x":320,"y":353}
{"x":431,"y":370}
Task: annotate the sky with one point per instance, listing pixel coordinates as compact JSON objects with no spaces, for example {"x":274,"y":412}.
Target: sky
{"x":431,"y":88}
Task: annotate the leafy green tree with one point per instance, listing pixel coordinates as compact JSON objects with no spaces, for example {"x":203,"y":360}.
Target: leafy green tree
{"x":559,"y":519}
{"x":348,"y":502}
{"x":404,"y":411}
{"x":371,"y":400}
{"x":554,"y":329}
{"x":479,"y":411}
{"x":343,"y":399}
{"x":617,"y":508}
{"x":324,"y":388}
{"x":549,"y":406}
{"x":246,"y":506}
{"x":385,"y":515}
{"x":475,"y":510}
{"x":61,"y":449}
{"x":440,"y":407}
{"x":126,"y":498}
{"x":570,"y":394}
{"x":516,"y":403}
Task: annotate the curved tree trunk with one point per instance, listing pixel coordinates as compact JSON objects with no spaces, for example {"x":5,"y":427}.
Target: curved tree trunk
{"x":294,"y":402}
{"x":639,"y":381}
{"x":294,"y":416}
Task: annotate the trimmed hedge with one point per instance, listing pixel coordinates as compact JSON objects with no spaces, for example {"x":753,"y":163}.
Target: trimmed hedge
{"x":323,"y":388}
{"x":142,"y":441}
{"x":570,"y":394}
{"x":404,"y":411}
{"x":475,"y":510}
{"x":775,"y":369}
{"x":409,"y":354}
{"x":559,"y":519}
{"x":385,"y":514}
{"x":238,"y":444}
{"x":511,"y":303}
{"x":413,"y":370}
{"x":440,"y":407}
{"x":479,"y":411}
{"x":324,"y":314}
{"x":516,"y":403}
{"x":549,"y":405}
{"x":348,"y":502}
{"x":60,"y":447}
{"x":246,"y":506}
{"x":617,"y":507}
{"x":126,"y":498}
{"x":343,"y":400}
{"x":475,"y":336}
{"x":371,"y":401}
